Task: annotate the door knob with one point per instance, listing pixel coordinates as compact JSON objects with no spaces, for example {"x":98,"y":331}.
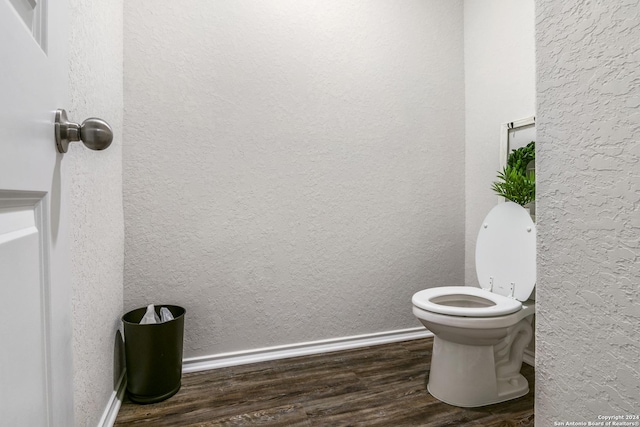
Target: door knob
{"x":95,"y":134}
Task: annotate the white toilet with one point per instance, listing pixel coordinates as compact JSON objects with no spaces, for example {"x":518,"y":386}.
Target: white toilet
{"x":481,"y":333}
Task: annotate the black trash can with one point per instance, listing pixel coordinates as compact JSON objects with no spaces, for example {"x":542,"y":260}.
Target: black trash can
{"x":153,"y":354}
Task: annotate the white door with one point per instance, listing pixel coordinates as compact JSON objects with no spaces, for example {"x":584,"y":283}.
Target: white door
{"x":35,"y":296}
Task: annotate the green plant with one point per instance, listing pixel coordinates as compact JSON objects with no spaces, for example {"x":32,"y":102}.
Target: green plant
{"x":516,"y":184}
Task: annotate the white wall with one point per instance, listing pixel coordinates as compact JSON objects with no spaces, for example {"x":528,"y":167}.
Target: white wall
{"x":97,"y":240}
{"x":499,"y":55}
{"x":588,"y":352}
{"x":293,"y":170}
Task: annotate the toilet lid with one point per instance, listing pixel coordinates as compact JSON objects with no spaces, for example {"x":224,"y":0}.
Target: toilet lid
{"x":506,"y":251}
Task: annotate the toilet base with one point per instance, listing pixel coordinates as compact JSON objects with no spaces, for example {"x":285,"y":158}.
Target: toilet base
{"x":508,"y":391}
{"x":478,"y":375}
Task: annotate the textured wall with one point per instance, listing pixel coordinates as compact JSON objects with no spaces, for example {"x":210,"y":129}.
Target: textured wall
{"x":97,"y":223}
{"x":499,"y":55}
{"x":588,"y":355}
{"x":293,"y":170}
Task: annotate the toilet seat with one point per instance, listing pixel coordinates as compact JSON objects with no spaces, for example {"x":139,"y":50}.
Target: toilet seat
{"x":505,"y":265}
{"x":470,"y":302}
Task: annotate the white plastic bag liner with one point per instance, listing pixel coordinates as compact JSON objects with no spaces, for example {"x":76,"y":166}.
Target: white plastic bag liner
{"x":150,"y":316}
{"x":165,"y":314}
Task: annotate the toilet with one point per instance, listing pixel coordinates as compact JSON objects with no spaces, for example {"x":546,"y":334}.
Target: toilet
{"x":480,"y":334}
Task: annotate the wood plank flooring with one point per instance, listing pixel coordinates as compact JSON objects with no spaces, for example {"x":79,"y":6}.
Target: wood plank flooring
{"x":374,"y":386}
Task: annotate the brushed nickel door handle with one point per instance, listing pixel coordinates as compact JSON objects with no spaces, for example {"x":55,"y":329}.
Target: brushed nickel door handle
{"x":94,"y":133}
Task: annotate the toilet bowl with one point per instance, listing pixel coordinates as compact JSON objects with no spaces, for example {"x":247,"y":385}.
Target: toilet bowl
{"x":480,"y":334}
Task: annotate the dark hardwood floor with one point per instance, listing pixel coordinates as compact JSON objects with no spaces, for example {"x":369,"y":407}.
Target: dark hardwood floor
{"x":374,"y":386}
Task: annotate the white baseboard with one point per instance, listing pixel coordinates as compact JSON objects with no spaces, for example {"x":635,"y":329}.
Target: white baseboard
{"x":110,"y":414}
{"x":529,"y":358}
{"x":203,"y":363}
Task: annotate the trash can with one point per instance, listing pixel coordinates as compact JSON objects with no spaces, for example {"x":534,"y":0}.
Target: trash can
{"x":153,"y":354}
